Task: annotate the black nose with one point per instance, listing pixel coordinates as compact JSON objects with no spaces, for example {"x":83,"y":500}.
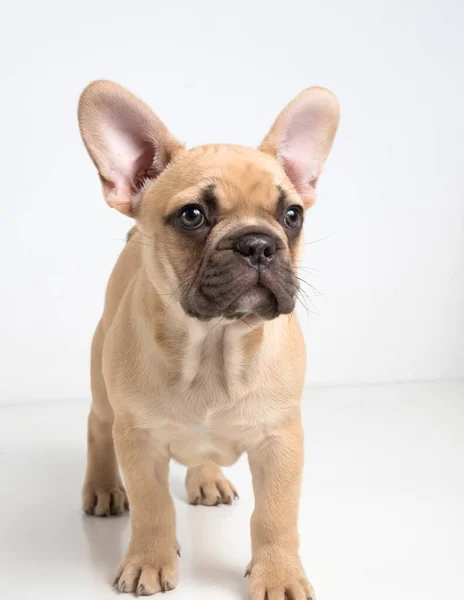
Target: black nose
{"x":258,"y":249}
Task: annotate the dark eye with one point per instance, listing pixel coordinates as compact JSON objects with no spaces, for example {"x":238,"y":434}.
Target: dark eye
{"x":191,"y":217}
{"x":293,"y":218}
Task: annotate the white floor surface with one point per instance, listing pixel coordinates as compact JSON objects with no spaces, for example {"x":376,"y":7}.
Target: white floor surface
{"x":382,"y":510}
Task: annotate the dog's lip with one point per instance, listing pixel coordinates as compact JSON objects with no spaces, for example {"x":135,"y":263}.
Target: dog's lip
{"x":260,"y":291}
{"x":255,"y":294}
{"x":254,"y":290}
{"x":255,"y":287}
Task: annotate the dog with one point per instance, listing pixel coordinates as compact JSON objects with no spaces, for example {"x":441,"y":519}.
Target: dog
{"x":199,"y":356}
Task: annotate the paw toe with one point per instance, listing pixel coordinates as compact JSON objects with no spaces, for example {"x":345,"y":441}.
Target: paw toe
{"x":104,"y":502}
{"x":147,"y":579}
{"x":212,"y":493}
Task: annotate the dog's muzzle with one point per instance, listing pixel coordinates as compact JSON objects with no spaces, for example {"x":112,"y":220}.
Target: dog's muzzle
{"x":248,"y":272}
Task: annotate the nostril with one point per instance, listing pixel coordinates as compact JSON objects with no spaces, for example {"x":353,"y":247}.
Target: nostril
{"x":268,"y":252}
{"x":246,"y":250}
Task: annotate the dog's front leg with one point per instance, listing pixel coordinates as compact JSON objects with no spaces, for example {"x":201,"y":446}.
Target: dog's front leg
{"x":276,"y":465}
{"x":150,"y":564}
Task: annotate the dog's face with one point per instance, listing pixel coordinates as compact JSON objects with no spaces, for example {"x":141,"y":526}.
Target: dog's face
{"x":226,"y":232}
{"x":222,"y":224}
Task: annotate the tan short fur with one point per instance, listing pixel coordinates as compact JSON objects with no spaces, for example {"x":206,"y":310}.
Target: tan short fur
{"x":169,"y":385}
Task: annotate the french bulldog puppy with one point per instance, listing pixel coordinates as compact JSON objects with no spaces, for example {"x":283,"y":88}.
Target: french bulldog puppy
{"x":199,"y":356}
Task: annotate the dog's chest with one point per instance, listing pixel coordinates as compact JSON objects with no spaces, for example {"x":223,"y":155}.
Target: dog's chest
{"x":205,"y":396}
{"x":194,"y":444}
{"x":206,"y":425}
{"x":213,"y":403}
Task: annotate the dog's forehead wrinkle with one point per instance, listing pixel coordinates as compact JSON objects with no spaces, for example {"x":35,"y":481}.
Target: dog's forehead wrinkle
{"x":241,"y":178}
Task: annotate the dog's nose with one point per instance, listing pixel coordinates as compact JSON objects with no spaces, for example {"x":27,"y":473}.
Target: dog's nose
{"x":257,"y":249}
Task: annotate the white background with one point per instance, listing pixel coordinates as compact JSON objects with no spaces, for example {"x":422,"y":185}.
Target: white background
{"x":392,"y":194}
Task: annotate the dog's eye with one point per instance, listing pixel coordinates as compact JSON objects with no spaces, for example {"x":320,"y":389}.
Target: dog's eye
{"x":293,"y":218}
{"x":191,"y":217}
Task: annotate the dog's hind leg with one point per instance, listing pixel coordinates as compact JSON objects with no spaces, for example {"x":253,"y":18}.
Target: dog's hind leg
{"x":207,"y":485}
{"x":103,"y":493}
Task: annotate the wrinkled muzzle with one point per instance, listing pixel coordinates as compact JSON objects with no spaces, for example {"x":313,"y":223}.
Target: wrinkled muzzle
{"x":248,"y":272}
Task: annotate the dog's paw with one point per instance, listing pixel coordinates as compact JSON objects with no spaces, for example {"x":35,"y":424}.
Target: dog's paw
{"x":278,"y":577}
{"x":104,"y":501}
{"x":145,"y":576}
{"x":207,"y":485}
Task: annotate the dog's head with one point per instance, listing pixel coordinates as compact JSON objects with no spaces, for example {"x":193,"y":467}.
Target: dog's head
{"x":221,"y":225}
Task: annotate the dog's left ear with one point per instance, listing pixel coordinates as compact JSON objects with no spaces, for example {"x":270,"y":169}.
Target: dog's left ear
{"x":301,"y":138}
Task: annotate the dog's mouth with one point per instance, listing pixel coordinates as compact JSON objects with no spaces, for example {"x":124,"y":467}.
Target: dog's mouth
{"x":236,"y":290}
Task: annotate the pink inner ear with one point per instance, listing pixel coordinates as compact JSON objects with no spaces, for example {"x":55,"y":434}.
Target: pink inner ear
{"x":297,"y":149}
{"x":129,"y":157}
{"x":303,"y":183}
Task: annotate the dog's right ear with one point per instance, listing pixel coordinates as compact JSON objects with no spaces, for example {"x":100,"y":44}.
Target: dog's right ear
{"x":126,"y":141}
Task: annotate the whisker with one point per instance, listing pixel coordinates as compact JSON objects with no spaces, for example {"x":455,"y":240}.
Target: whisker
{"x":309,"y":312}
{"x":154,"y":294}
{"x":132,"y":240}
{"x":302,"y":300}
{"x":299,"y":267}
{"x":170,"y":294}
{"x":308,"y":297}
{"x":144,"y":234}
{"x":214,"y":326}
{"x":320,"y":239}
{"x":168,"y":306}
{"x":246,"y":323}
{"x":173,"y":299}
{"x":305,"y":264}
{"x":319,"y":293}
